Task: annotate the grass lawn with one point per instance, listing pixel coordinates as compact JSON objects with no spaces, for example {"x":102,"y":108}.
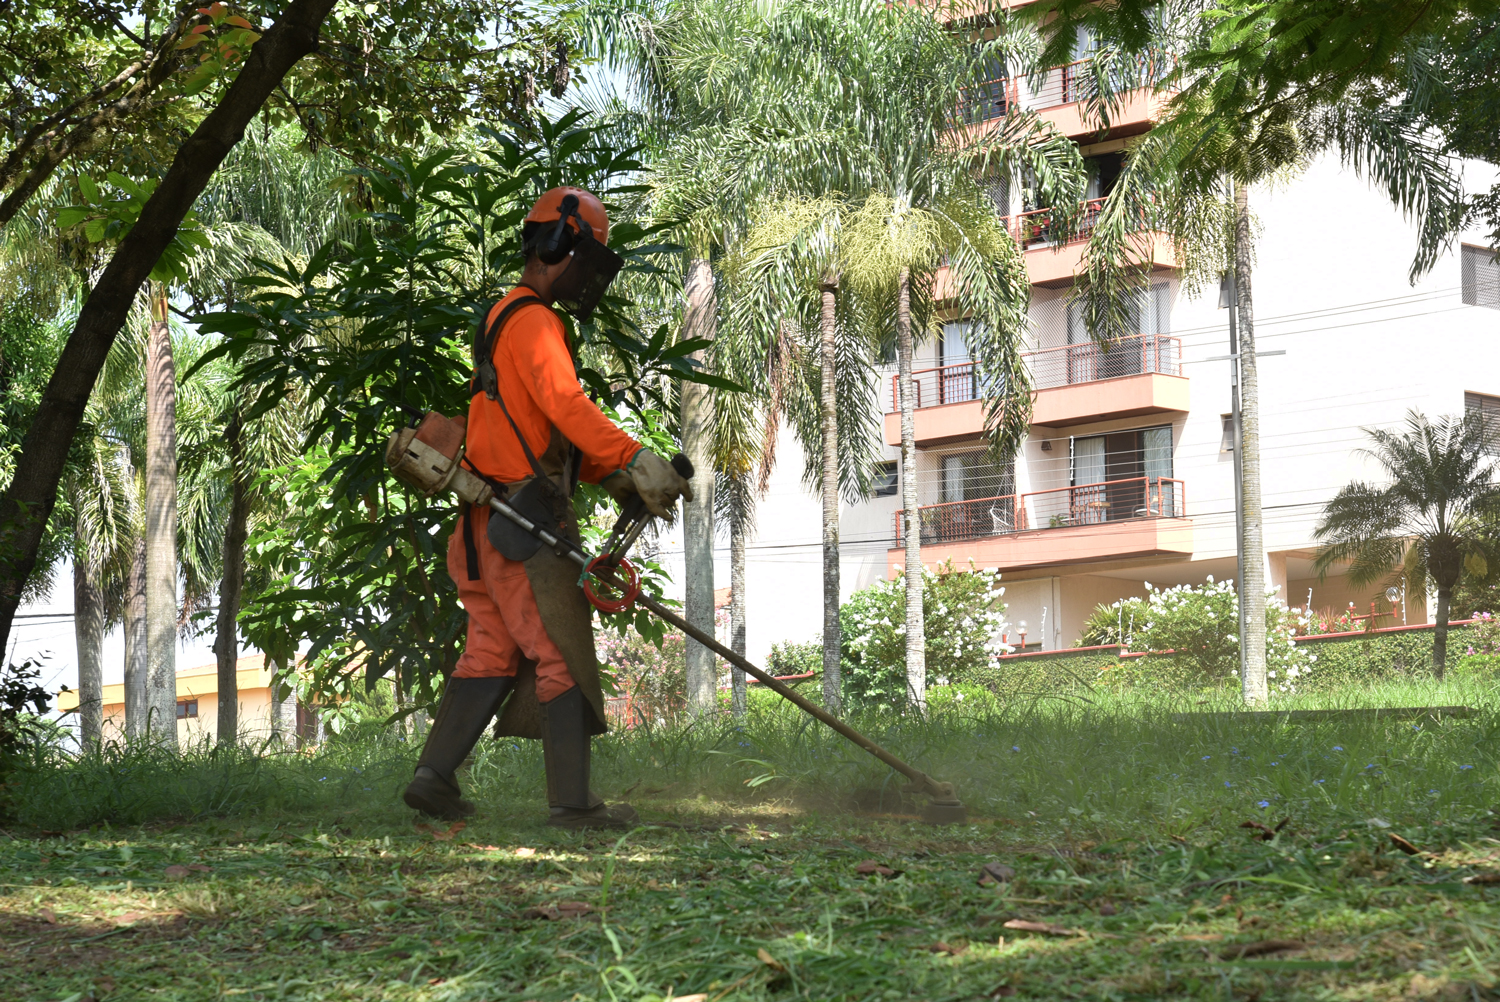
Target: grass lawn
{"x":1120,"y":867}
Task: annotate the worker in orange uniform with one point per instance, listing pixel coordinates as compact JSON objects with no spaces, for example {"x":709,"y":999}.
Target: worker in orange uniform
{"x":533,"y":434}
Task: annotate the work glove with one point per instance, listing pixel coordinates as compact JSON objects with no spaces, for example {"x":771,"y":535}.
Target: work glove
{"x":658,"y":484}
{"x":619,"y":486}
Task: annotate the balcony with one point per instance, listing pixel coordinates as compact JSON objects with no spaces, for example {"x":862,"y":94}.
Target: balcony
{"x":1074,"y":384}
{"x":1059,"y":97}
{"x":1130,"y":377}
{"x":1053,"y":256}
{"x":1119,"y":519}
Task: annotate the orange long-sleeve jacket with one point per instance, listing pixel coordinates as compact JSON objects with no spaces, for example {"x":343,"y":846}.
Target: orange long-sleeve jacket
{"x":541,"y":390}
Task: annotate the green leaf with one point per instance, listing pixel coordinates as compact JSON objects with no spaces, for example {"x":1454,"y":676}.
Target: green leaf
{"x":88,"y":187}
{"x":94,"y":231}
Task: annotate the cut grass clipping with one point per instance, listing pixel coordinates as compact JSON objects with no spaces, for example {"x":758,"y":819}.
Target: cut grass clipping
{"x":1108,"y":860}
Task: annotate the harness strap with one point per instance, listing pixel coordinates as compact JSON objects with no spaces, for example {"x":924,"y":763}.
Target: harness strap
{"x":471,"y":550}
{"x":488,"y":382}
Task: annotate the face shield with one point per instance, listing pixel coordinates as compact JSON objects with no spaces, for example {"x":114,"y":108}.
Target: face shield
{"x":591,"y":267}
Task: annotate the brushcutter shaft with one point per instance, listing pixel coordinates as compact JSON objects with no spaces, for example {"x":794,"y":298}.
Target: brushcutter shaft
{"x":921,"y":782}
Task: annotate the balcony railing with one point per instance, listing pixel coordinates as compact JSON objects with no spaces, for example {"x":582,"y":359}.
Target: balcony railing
{"x":1067,"y":84}
{"x":1074,"y":363}
{"x":1086,"y":504}
{"x":1091,"y":361}
{"x":1044,"y":227}
{"x":988,"y":100}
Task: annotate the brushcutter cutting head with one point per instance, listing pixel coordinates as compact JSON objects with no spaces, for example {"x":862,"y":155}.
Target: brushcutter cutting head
{"x":943,"y":806}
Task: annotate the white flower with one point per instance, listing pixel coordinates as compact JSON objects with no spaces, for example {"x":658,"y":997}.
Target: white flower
{"x":959,"y":698}
{"x":1270,"y":674}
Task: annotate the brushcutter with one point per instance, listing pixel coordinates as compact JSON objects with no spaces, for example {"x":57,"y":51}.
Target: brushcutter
{"x":428,"y":457}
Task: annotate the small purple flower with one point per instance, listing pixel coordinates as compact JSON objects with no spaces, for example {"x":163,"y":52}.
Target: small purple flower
{"x":1263,"y":803}
{"x":1207,"y":757}
{"x":1370,"y":766}
{"x":1228,"y":783}
{"x":1015,"y":747}
{"x":1338,"y":747}
{"x":1463,"y":767}
{"x":1317,"y":781}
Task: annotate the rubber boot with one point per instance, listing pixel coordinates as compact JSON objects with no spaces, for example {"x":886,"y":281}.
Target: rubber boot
{"x":566,"y":754}
{"x":466,"y":709}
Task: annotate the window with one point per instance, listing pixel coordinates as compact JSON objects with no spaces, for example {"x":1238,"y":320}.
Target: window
{"x":884,"y":482}
{"x":1117,"y":476}
{"x":1123,"y":455}
{"x":969,"y":476}
{"x":1481,"y":277}
{"x":187,"y":708}
{"x":1150,"y":313}
{"x":1485,"y":410}
{"x":1226,"y":444}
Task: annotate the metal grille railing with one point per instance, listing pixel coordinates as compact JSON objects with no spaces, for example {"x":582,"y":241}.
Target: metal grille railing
{"x":1091,"y":361}
{"x":1074,"y":363}
{"x":1061,"y":507}
{"x":988,"y":100}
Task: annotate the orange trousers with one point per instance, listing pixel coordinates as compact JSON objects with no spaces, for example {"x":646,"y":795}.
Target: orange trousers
{"x":505,"y":624}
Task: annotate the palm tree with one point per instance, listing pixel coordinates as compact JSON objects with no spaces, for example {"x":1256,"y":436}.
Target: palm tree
{"x":869,"y":154}
{"x":1432,"y":518}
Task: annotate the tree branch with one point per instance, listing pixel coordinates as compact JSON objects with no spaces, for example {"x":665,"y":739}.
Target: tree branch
{"x":28,"y":502}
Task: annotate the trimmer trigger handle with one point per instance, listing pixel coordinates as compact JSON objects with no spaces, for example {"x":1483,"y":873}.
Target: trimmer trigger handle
{"x":683,"y":466}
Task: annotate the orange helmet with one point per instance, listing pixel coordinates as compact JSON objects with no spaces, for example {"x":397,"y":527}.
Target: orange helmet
{"x":564,"y":204}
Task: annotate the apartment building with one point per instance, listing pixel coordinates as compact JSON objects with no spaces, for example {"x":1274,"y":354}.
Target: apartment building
{"x":1126,"y":476}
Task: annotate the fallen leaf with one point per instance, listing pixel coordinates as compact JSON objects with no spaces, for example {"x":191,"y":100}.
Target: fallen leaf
{"x":447,"y":836}
{"x":1484,"y":878}
{"x":941,"y":947}
{"x":991,"y":874}
{"x":768,"y":960}
{"x":47,"y":915}
{"x":561,"y":910}
{"x":699,"y":997}
{"x":652,"y":885}
{"x":1003,"y":992}
{"x":484,"y":848}
{"x":176,"y":872}
{"x":1107,"y":909}
{"x":1239,"y":951}
{"x":870,"y":866}
{"x":200,"y":868}
{"x":523,"y":852}
{"x":1206,"y":937}
{"x":130,"y":918}
{"x":1049,"y":928}
{"x":105,"y":985}
{"x":1403,"y":845}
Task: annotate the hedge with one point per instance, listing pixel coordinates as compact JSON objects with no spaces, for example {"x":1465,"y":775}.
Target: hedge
{"x":1341,"y":660}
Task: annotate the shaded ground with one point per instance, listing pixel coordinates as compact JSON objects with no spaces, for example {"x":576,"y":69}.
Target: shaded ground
{"x":772,"y":906}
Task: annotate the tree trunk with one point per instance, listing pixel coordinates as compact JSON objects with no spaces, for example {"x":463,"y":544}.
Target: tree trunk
{"x":698,"y":320}
{"x":161,"y":528}
{"x":833,"y":696}
{"x":916,"y":633}
{"x":136,"y":704}
{"x":1252,"y":588}
{"x":28,"y":501}
{"x":737,"y":608}
{"x":226,"y":644}
{"x":1440,"y":633}
{"x":88,"y":630}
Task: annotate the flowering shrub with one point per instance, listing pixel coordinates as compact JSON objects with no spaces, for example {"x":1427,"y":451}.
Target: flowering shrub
{"x":962,"y":616}
{"x":1484,"y":634}
{"x":653,"y":677}
{"x":1200,"y":626}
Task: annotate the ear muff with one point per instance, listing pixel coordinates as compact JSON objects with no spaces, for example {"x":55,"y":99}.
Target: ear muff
{"x":553,"y":241}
